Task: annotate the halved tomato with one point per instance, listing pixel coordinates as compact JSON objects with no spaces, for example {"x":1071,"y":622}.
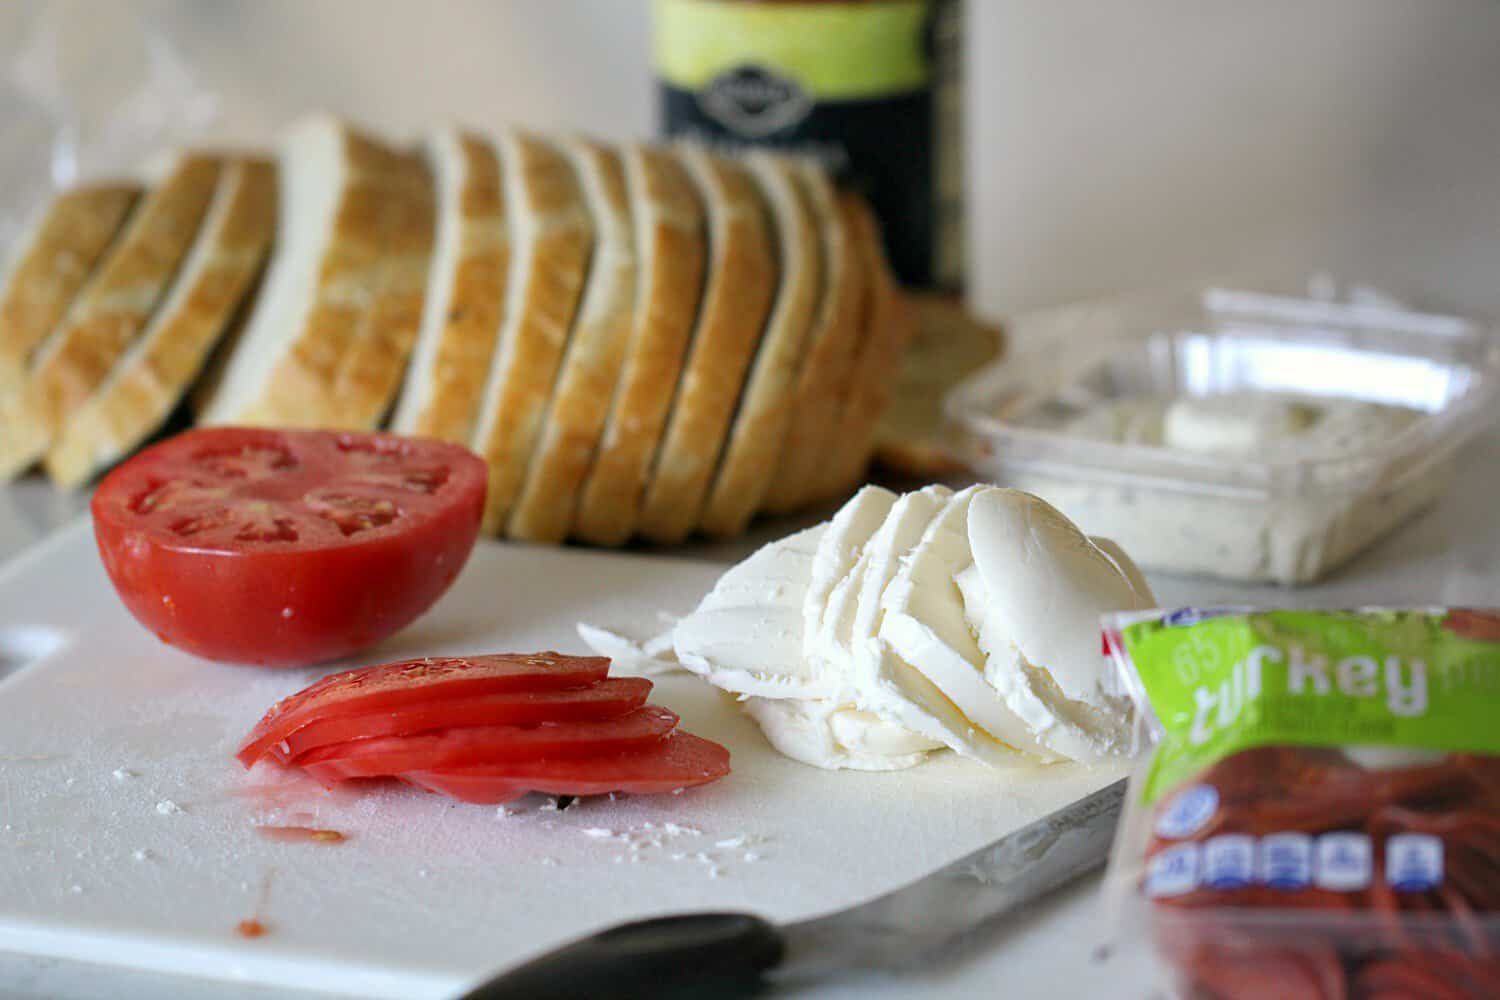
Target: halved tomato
{"x":426,"y":681}
{"x":607,"y":700}
{"x":679,"y":761}
{"x":448,"y":748}
{"x":281,"y":547}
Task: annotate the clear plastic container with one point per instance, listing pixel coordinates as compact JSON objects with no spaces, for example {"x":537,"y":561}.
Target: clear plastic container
{"x":1263,"y":518}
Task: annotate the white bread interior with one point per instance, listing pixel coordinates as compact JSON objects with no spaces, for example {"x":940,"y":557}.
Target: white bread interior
{"x":466,"y":288}
{"x":759,"y":431}
{"x":596,"y":350}
{"x":552,"y":238}
{"x":671,"y":253}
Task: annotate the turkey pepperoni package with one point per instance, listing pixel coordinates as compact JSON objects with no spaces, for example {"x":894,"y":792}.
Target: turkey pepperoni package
{"x":1318,"y":815}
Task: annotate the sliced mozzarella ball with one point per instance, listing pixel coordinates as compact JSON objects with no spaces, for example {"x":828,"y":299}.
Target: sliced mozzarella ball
{"x":924,"y":624}
{"x":1126,"y":565}
{"x":643,"y":658}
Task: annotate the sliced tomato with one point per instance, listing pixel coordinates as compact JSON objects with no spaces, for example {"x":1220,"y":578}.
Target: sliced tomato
{"x":445,"y":748}
{"x":284,"y":548}
{"x":425,"y":681}
{"x":607,"y":700}
{"x":679,"y":761}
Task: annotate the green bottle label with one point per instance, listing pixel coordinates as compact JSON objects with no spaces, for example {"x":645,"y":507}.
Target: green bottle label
{"x":1419,"y":679}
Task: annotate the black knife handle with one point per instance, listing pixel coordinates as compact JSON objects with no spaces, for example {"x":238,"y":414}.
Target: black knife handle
{"x":699,"y":955}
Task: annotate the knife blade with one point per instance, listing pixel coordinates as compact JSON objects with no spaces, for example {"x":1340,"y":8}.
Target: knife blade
{"x":740,"y":955}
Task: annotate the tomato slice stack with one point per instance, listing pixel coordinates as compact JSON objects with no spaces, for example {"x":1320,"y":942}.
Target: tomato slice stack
{"x":486,"y":729}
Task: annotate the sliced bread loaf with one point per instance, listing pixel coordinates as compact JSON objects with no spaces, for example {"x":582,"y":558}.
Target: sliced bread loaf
{"x":591,"y":367}
{"x":760,"y":427}
{"x":147,"y":382}
{"x":50,"y":264}
{"x":108,"y":314}
{"x":550,"y":249}
{"x":736,"y":300}
{"x":671,"y":248}
{"x":466,"y":289}
{"x":831,"y":350}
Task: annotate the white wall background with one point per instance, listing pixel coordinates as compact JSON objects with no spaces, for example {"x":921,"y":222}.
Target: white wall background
{"x":1112,"y":144}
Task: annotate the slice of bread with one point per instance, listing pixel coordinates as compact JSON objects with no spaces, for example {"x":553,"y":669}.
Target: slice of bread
{"x":465,"y":291}
{"x":108,"y":314}
{"x":671,"y":248}
{"x":760,"y":427}
{"x":736,"y":301}
{"x":596,"y":351}
{"x":888,"y":329}
{"x":949,"y":345}
{"x":51,"y":263}
{"x":829,"y":362}
{"x":341,"y":301}
{"x":150,"y":378}
{"x":550,"y":249}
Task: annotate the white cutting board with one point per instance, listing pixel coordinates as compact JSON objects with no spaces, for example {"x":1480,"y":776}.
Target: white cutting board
{"x":128,"y":833}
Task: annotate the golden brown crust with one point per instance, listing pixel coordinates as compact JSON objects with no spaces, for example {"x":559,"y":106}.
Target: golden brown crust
{"x":889,"y":328}
{"x":760,"y":427}
{"x":144,"y":388}
{"x":554,"y":241}
{"x":671,"y":242}
{"x":108,"y":313}
{"x":591,"y":366}
{"x":57,"y":259}
{"x":466,"y":341}
{"x":826,"y":372}
{"x":948,"y":346}
{"x":736,"y":300}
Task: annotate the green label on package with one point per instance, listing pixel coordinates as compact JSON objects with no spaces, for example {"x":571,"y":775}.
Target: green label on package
{"x":1222,"y":684}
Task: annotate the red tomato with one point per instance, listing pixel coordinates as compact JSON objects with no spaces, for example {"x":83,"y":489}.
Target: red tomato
{"x":283,"y":548}
{"x":425,"y":681}
{"x":387,"y":756}
{"x":679,"y":761}
{"x":606,"y":700}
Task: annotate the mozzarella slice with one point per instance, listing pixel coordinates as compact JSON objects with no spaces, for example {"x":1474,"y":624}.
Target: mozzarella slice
{"x":1126,"y":565}
{"x":643,"y":659}
{"x":827,"y":735}
{"x":838,"y":551}
{"x":746,"y":634}
{"x":924,"y":624}
{"x":1046,"y":585}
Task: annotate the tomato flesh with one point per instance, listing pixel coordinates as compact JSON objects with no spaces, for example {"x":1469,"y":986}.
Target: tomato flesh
{"x":283,"y":547}
{"x":679,"y":761}
{"x":387,"y":756}
{"x":606,"y":700}
{"x":429,"y":680}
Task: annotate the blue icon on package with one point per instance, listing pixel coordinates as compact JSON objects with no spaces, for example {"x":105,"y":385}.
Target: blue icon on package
{"x":1188,"y":812}
{"x":1286,"y":860}
{"x":1413,"y":862}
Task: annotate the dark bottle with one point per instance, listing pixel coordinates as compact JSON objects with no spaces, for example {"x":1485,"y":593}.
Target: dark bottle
{"x":871,"y":89}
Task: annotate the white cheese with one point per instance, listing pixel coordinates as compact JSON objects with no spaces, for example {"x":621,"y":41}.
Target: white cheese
{"x":1237,"y":423}
{"x":827,"y":735}
{"x":924,"y":624}
{"x":838,"y":550}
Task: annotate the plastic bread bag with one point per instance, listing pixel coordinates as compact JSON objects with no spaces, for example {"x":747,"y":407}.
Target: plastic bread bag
{"x":90,"y":91}
{"x":1317,"y":810}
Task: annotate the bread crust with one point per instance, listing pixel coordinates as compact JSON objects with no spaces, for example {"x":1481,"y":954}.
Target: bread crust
{"x":108,"y":313}
{"x":142,"y":390}
{"x":554,"y":238}
{"x":829,"y":364}
{"x":591,"y":367}
{"x":473,"y":303}
{"x":760,"y":427}
{"x":53,"y":263}
{"x":671,"y":242}
{"x":736,"y":301}
{"x":888,"y":329}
